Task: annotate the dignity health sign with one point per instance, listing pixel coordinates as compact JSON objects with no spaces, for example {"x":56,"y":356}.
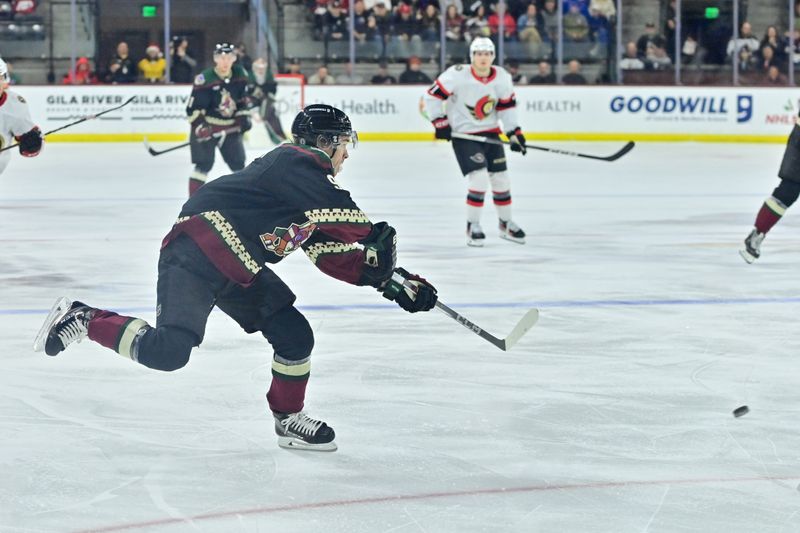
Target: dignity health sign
{"x":395,"y":112}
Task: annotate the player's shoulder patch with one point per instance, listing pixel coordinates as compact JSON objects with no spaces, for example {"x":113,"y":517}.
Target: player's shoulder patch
{"x":200,"y":79}
{"x":458,"y":67}
{"x":21,"y":99}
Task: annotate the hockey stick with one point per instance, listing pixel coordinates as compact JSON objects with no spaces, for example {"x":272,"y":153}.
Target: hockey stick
{"x":522,"y":327}
{"x":84,"y":119}
{"x":613,"y":157}
{"x":219,"y":135}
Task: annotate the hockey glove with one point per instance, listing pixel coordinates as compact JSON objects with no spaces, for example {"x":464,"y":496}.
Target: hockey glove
{"x":203,"y":130}
{"x":30,"y":143}
{"x":443,"y":130}
{"x":380,"y":255}
{"x":411,"y":292}
{"x":244,"y":123}
{"x":517,"y":141}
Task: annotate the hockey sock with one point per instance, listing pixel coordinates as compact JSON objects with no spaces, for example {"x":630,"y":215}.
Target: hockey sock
{"x":196,"y":180}
{"x":501,"y":194}
{"x":770,"y":213}
{"x":289,"y":379}
{"x":115,"y":331}
{"x":477,"y":182}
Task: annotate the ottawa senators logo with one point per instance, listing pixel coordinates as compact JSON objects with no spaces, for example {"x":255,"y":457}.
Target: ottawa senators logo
{"x":283,"y":241}
{"x":483,"y":108}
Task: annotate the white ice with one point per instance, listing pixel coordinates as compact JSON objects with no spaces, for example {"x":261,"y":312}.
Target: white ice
{"x":612,"y":415}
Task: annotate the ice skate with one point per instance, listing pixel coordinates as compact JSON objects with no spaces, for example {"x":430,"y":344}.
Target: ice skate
{"x":67,"y":322}
{"x":297,"y":431}
{"x":511,"y":232}
{"x":752,"y":246}
{"x":475,"y":235}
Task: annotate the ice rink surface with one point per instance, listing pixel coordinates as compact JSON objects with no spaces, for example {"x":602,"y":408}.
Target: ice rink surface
{"x":612,"y":415}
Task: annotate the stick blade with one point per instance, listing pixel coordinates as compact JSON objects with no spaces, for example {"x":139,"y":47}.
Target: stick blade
{"x":522,"y":327}
{"x":149,"y":148}
{"x":624,"y":150}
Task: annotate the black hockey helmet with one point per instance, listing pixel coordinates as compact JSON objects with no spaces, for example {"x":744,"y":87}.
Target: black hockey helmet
{"x":224,"y":48}
{"x":323,"y":126}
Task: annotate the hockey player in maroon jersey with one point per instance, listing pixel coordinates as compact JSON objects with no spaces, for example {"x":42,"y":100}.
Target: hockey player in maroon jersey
{"x":219,"y":112}
{"x":475,"y":99}
{"x":784,"y":195}
{"x":217,"y":255}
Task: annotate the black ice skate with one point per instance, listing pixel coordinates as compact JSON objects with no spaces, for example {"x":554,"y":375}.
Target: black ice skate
{"x":752,"y":246}
{"x":475,"y":234}
{"x":511,"y":232}
{"x":297,"y":431}
{"x":67,"y":322}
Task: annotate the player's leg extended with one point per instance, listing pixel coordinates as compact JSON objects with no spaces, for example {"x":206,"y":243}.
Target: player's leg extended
{"x":782,"y":198}
{"x":472,"y":161}
{"x":203,"y":160}
{"x":232,"y":150}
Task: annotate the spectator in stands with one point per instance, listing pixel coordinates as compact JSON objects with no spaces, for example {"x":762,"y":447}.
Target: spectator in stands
{"x":294,"y":68}
{"x":121,"y":69}
{"x":767,"y":59}
{"x":335,"y":22}
{"x":383,"y":77}
{"x":360,"y":16}
{"x":669,"y":28}
{"x":320,"y":11}
{"x":453,"y":24}
{"x":242,"y":58}
{"x":657,"y":57}
{"x":691,"y":53}
{"x":430,"y":23}
{"x":405,"y":26}
{"x":478,"y":25}
{"x":81,"y":75}
{"x":413,"y":74}
{"x":775,"y":41}
{"x":530,"y":26}
{"x":775,"y":77}
{"x":574,"y":76}
{"x":182,"y":65}
{"x":383,"y":19}
{"x":745,"y":46}
{"x":153,"y":67}
{"x":550,"y":21}
{"x":607,"y":8}
{"x":512,"y":66}
{"x":321,"y":77}
{"x":544,"y":74}
{"x":631,"y":61}
{"x":581,"y":5}
{"x":349,"y":78}
{"x":509,"y":24}
{"x":372,"y":34}
{"x":599,"y":30}
{"x":646,"y":38}
{"x":576,"y":26}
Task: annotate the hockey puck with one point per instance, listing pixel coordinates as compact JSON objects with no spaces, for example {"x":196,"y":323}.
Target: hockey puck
{"x":741,"y":411}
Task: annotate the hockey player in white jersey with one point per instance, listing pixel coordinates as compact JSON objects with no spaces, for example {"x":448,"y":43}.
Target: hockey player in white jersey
{"x":16,"y":125}
{"x":478,"y":99}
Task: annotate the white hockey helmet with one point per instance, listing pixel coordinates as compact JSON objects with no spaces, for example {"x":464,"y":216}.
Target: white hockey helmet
{"x":480,"y":44}
{"x":4,"y":77}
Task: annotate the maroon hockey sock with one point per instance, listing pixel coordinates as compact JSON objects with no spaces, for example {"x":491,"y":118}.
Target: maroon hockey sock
{"x":769,"y":214}
{"x":115,"y":331}
{"x":287,"y":395}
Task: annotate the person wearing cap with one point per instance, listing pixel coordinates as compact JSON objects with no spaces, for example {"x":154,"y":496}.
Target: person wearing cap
{"x":121,"y":69}
{"x":219,"y":112}
{"x":153,"y":67}
{"x":82,"y":74}
{"x":412,"y":74}
{"x":383,"y":77}
{"x":182,"y":65}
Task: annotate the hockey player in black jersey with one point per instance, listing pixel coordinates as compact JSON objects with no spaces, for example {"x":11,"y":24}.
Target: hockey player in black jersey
{"x":217,"y":255}
{"x":219,"y":112}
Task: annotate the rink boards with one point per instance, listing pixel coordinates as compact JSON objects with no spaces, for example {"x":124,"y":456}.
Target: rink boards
{"x":396,"y":113}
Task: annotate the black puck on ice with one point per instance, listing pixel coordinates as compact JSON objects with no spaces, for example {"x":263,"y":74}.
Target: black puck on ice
{"x":741,"y":411}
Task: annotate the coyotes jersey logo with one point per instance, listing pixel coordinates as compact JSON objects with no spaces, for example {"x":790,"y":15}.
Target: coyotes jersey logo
{"x":227,"y":106}
{"x":483,"y":108}
{"x":283,"y":241}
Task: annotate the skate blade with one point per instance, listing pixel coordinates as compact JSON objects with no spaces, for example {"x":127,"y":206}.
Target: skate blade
{"x":749,"y":258}
{"x":476,"y":243}
{"x":290,"y":443}
{"x":58,"y":310}
{"x":511,"y":238}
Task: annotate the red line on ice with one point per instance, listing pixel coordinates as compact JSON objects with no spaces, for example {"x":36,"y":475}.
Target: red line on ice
{"x":424,"y":496}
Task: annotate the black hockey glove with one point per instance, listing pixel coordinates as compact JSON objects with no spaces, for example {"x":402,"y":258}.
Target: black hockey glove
{"x":411,"y":292}
{"x":202,"y":130}
{"x":517,"y":141}
{"x":30,"y":143}
{"x":443,"y":130}
{"x":380,"y":255}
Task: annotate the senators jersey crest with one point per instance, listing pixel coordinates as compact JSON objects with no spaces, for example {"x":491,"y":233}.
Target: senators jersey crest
{"x":483,"y":107}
